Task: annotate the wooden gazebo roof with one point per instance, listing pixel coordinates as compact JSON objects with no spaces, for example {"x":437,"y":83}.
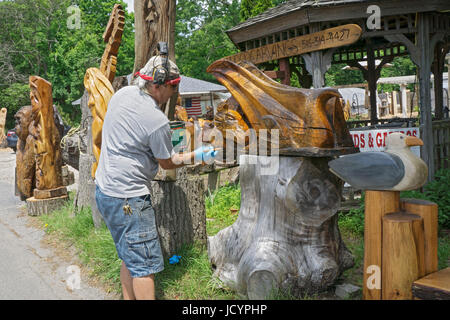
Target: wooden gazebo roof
{"x":290,"y":16}
{"x":418,"y":28}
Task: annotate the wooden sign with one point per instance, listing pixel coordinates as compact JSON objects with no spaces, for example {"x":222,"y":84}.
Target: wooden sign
{"x":329,"y":38}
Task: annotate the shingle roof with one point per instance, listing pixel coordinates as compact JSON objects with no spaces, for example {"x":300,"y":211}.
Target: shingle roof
{"x":192,"y":85}
{"x":290,"y":6}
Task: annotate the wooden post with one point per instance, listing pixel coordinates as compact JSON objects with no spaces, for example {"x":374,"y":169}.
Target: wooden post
{"x":372,"y":80}
{"x":423,"y":42}
{"x":402,"y":257}
{"x":438,"y":70}
{"x":404,"y":100}
{"x":286,"y":69}
{"x":377,"y":205}
{"x":429,"y":212}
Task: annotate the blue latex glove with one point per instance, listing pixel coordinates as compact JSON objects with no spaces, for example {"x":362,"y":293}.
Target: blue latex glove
{"x":204,"y":153}
{"x":175,"y":259}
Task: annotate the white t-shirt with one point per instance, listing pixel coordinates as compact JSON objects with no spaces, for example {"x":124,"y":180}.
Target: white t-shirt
{"x":135,"y":133}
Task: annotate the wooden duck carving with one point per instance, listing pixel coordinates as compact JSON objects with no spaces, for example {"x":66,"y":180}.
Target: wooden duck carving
{"x":395,"y":169}
{"x":310,"y":122}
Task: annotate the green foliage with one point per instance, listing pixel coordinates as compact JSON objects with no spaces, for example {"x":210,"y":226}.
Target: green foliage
{"x":437,"y":192}
{"x":200,"y":34}
{"x":401,"y":66}
{"x":218,"y":206}
{"x":352,"y":222}
{"x":337,"y":76}
{"x":251,"y":8}
{"x":13,"y":98}
{"x":48,"y":48}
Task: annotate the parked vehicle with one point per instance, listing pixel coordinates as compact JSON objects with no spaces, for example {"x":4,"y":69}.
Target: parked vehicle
{"x":11,"y":138}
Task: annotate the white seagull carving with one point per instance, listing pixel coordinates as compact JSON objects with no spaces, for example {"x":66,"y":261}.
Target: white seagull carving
{"x":395,"y":169}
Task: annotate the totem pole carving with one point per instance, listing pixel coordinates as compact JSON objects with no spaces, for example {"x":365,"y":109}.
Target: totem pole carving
{"x":25,"y":157}
{"x":47,"y":141}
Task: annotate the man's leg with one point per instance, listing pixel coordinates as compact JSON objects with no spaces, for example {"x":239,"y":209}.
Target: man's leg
{"x":127,"y":283}
{"x":144,"y":288}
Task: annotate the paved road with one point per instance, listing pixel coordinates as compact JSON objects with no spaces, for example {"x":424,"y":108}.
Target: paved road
{"x":28,"y":269}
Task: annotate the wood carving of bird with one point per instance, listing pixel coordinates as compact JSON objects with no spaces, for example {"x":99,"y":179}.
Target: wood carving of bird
{"x":395,"y":169}
{"x":306,"y":119}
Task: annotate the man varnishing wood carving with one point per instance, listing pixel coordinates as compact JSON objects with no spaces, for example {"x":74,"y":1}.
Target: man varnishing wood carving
{"x":136,"y":139}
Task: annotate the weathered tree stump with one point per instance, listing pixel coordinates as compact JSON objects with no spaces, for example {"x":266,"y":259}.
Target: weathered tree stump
{"x":38,"y":207}
{"x":286,"y":236}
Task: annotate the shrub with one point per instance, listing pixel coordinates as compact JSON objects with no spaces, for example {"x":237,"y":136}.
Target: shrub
{"x":436,"y":191}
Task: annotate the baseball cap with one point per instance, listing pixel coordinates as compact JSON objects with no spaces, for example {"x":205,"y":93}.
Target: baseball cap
{"x":155,"y":62}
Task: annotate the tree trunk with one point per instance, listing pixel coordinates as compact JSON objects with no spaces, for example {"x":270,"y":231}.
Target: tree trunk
{"x":86,"y":186}
{"x":180,"y":211}
{"x":154,"y":22}
{"x":286,"y":236}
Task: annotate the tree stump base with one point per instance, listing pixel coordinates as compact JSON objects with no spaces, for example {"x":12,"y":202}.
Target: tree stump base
{"x":286,"y":237}
{"x":38,"y":207}
{"x":180,"y":211}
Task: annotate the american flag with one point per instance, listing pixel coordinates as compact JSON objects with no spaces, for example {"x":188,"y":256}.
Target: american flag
{"x":193,"y":107}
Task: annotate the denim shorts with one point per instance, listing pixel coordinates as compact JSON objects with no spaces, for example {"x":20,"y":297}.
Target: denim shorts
{"x":134,"y":232}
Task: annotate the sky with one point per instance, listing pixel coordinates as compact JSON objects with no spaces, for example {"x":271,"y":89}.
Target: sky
{"x":130,"y":4}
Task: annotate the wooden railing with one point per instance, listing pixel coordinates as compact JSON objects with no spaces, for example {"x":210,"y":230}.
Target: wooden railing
{"x":441,"y":138}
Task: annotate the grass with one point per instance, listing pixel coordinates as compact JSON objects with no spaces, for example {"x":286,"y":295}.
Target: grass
{"x":191,"y":279}
{"x":218,"y":208}
{"x":94,"y":247}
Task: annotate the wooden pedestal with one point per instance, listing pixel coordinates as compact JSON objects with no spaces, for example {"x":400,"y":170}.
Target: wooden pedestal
{"x":286,"y":236}
{"x":377,"y":205}
{"x":403,"y":254}
{"x":37,"y":207}
{"x":400,"y":239}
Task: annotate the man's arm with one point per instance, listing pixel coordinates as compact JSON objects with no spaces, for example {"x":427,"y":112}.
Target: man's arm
{"x":202,"y":154}
{"x":177,"y":160}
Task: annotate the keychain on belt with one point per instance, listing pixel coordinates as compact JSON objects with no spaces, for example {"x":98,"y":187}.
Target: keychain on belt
{"x":127,"y":209}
